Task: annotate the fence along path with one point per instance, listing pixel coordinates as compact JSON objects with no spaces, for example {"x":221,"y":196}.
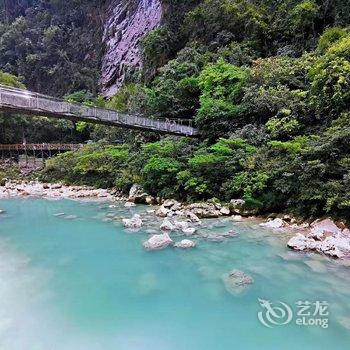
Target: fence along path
{"x":31,"y":103}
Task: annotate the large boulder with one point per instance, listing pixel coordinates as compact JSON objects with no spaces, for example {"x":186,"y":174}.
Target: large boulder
{"x":336,"y":246}
{"x":162,"y":211}
{"x":185,"y":243}
{"x":225,"y":211}
{"x":137,"y":195}
{"x":134,"y":222}
{"x":193,"y":217}
{"x":236,"y":281}
{"x":158,"y":242}
{"x":300,"y":242}
{"x":275,"y":223}
{"x":171,"y":203}
{"x":204,"y":210}
{"x":238,"y":207}
{"x":324,"y":226}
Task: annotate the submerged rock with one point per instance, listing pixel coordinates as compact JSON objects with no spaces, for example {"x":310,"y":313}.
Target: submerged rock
{"x":214,"y":237}
{"x":158,"y":241}
{"x":59,"y":214}
{"x":185,"y":243}
{"x":230,"y":233}
{"x":134,"y":222}
{"x":236,"y":281}
{"x":129,"y":205}
{"x":70,"y":217}
{"x":189,"y":231}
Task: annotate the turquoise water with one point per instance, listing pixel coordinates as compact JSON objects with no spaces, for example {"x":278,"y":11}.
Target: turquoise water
{"x":87,"y":283}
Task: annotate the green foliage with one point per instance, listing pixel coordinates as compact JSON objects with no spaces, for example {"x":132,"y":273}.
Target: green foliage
{"x":53,"y":45}
{"x":11,"y":172}
{"x":266,"y":82}
{"x":330,"y":84}
{"x":329,"y":37}
{"x":130,"y":98}
{"x":10,"y":80}
{"x":95,"y":165}
{"x":221,"y":87}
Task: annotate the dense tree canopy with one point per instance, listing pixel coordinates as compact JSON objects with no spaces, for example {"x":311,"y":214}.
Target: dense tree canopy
{"x":266,"y":82}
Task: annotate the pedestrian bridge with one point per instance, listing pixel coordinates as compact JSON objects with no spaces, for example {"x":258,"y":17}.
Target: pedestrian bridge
{"x":25,"y":102}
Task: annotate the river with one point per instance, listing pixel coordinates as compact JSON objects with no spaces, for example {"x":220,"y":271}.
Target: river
{"x":79,"y":280}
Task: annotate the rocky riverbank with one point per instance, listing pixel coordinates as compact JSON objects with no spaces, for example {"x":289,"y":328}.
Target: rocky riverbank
{"x":54,"y":191}
{"x":323,"y":236}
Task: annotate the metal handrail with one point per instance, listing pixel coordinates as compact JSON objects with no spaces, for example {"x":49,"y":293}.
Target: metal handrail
{"x":41,"y":103}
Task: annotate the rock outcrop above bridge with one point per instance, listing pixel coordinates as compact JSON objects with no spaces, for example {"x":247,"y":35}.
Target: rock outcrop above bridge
{"x":127,"y":22}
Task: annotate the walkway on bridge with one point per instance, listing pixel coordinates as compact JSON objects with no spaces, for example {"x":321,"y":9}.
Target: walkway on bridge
{"x":31,"y":103}
{"x":41,"y":150}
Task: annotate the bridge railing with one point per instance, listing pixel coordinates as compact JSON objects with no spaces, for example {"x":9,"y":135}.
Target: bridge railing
{"x":27,"y":100}
{"x":41,"y":147}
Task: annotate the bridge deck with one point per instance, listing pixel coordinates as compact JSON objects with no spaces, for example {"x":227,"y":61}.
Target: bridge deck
{"x":26,"y":102}
{"x":40,"y":147}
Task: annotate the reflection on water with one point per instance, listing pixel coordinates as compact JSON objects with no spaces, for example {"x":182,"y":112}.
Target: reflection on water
{"x":79,"y":280}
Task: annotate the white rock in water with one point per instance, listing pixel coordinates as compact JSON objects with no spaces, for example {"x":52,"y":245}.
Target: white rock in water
{"x":236,"y":217}
{"x":193,"y":217}
{"x":300,"y":242}
{"x":275,"y":223}
{"x":337,"y":246}
{"x":2,"y":211}
{"x":129,"y":205}
{"x":158,"y":241}
{"x":325,"y":225}
{"x":181,"y":225}
{"x":167,"y":225}
{"x":162,"y":211}
{"x":225,"y":211}
{"x":134,"y":222}
{"x":188,"y":231}
{"x":185,"y":243}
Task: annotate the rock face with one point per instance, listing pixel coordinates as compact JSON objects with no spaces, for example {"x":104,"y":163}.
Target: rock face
{"x":158,"y":241}
{"x":127,"y":22}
